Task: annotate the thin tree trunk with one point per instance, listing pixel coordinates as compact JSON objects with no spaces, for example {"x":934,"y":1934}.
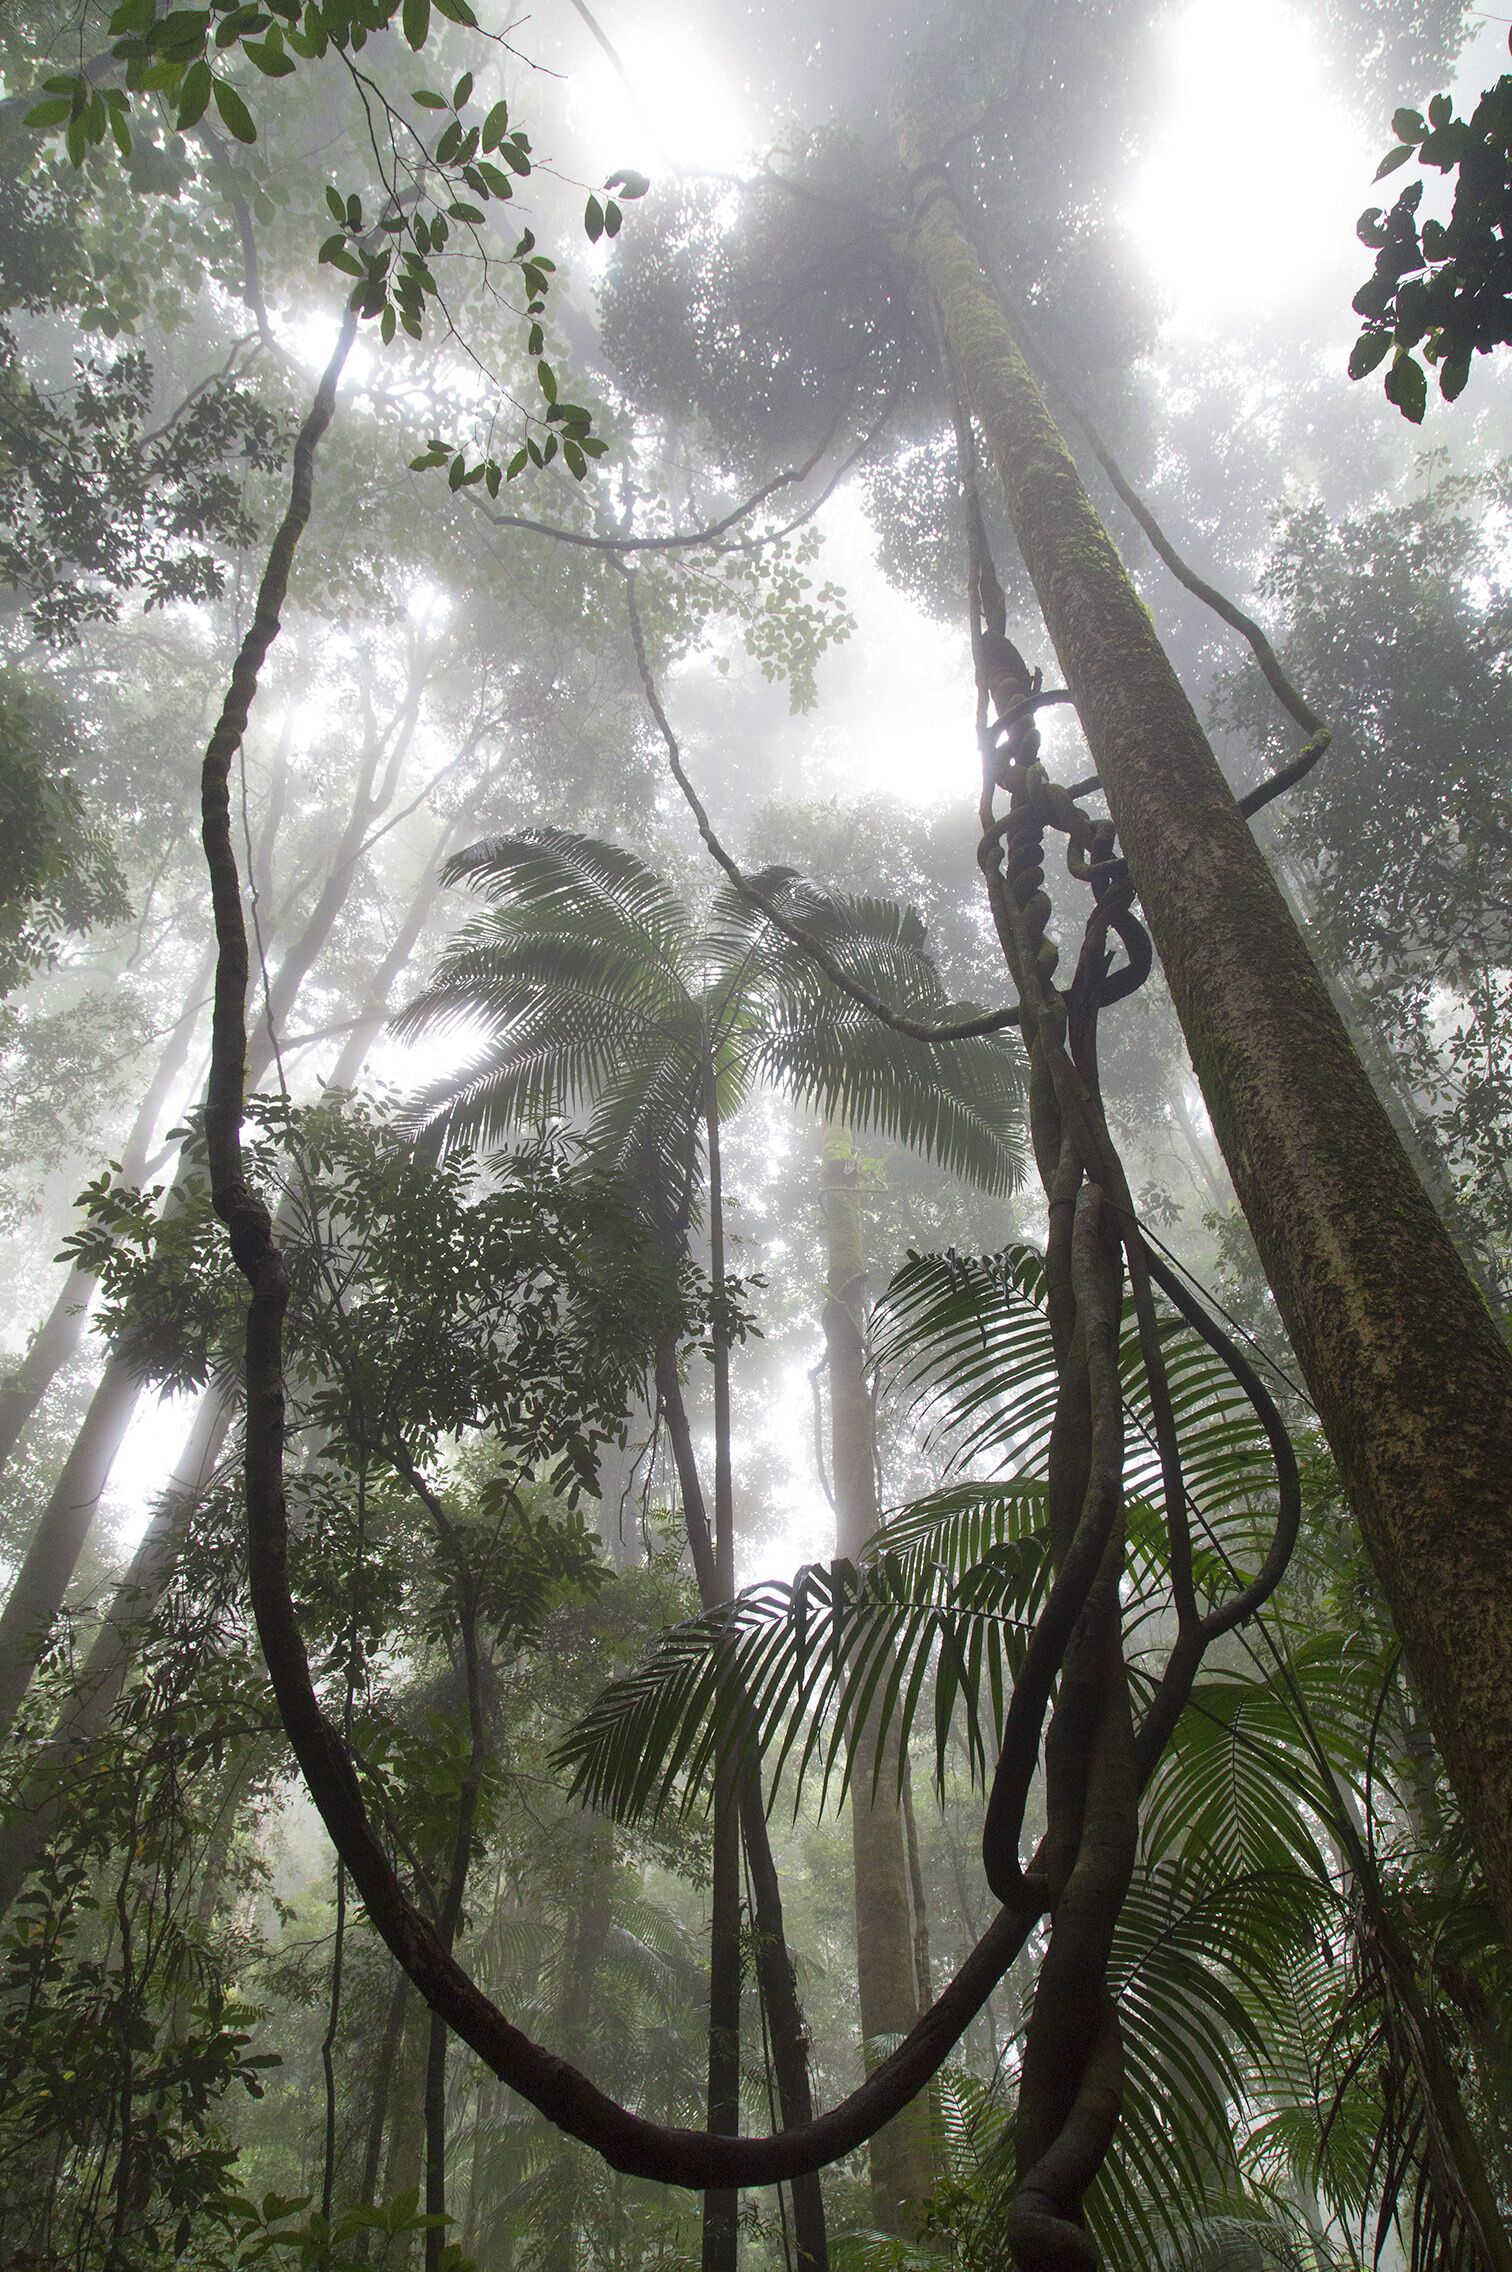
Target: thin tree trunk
{"x":902,"y":2159}
{"x":721,"y":2230}
{"x":1412,"y":1381}
{"x":403,"y":2161}
{"x":586,"y":1939}
{"x":62,"y":1330}
{"x":449,"y":1922}
{"x":776,"y":1976}
{"x":25,"y":1830}
{"x":389,"y":2049}
{"x":57,"y":1542}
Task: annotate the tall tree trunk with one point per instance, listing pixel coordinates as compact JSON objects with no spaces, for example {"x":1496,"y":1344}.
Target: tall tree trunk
{"x":62,"y":1330}
{"x":404,"y":2156}
{"x":586,"y":1939}
{"x":390,"y":2048}
{"x":25,"y":1830}
{"x":776,"y":1976}
{"x":52,"y":1554}
{"x":902,"y":2156}
{"x":58,"y":1540}
{"x":721,"y":2231}
{"x":449,"y":1922}
{"x":1412,"y":1381}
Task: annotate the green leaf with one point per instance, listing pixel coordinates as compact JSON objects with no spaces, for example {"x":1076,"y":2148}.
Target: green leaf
{"x":457,"y":473}
{"x":517,"y":465}
{"x":1370,"y":349}
{"x":547,"y":377}
{"x":1391,"y":161}
{"x":1454,"y":371}
{"x":577,"y":463}
{"x":428,"y":99}
{"x":336,"y":205}
{"x":234,"y":112}
{"x":457,"y":12}
{"x":1408,"y":125}
{"x":462,"y":92}
{"x":47,"y":115}
{"x":1440,"y":111}
{"x":273,"y":62}
{"x":612,"y":219}
{"x":416,"y":17}
{"x":629,"y":185}
{"x":194,"y":95}
{"x":593,"y":220}
{"x":496,"y":126}
{"x":1407,"y":387}
{"x":461,"y":211}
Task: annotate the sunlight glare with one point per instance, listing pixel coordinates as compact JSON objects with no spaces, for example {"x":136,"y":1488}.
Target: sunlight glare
{"x":1258,"y":179}
{"x":684,"y":113}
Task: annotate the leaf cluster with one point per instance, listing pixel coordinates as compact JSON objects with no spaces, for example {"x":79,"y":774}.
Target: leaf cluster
{"x":1440,"y":288}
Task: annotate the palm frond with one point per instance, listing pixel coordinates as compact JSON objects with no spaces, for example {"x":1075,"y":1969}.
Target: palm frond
{"x":786,"y":1671}
{"x":969,"y":1337}
{"x":580,"y":883}
{"x":960,"y":1103}
{"x":555,"y":1055}
{"x":1241,"y":1780}
{"x":1196,"y":1957}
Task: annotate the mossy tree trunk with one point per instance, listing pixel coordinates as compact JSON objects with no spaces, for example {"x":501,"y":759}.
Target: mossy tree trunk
{"x":1412,"y":1381}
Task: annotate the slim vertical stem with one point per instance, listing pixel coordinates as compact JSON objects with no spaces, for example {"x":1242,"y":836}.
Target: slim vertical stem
{"x":328,"y":2045}
{"x":721,"y":2231}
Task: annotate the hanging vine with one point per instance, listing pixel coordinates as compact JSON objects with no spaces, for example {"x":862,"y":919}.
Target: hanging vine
{"x":1072,"y":1689}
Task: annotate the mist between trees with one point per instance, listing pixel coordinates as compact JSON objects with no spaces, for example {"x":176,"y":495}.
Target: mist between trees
{"x":757,"y":1043}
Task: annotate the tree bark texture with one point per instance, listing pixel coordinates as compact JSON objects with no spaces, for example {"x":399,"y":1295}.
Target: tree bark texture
{"x":1412,"y":1382}
{"x":902,"y":2154}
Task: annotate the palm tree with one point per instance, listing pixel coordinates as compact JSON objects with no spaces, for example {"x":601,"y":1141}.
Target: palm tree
{"x":599,"y":991}
{"x":1287,"y":2035}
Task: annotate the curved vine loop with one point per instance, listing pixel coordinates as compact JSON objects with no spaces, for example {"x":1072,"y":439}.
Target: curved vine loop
{"x":1073,"y":1686}
{"x":1096,"y":1761}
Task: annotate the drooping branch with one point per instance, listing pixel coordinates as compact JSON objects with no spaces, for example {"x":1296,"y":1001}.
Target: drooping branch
{"x":916,"y":1029}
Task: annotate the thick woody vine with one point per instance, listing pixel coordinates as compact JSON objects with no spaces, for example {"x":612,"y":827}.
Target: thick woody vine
{"x":1073,"y":1685}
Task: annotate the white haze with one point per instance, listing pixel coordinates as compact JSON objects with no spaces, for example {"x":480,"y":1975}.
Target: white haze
{"x":1245,"y":214}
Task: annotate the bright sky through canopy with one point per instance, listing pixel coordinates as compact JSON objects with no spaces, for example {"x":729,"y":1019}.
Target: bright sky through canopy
{"x":686,"y":108}
{"x":1259,"y":176}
